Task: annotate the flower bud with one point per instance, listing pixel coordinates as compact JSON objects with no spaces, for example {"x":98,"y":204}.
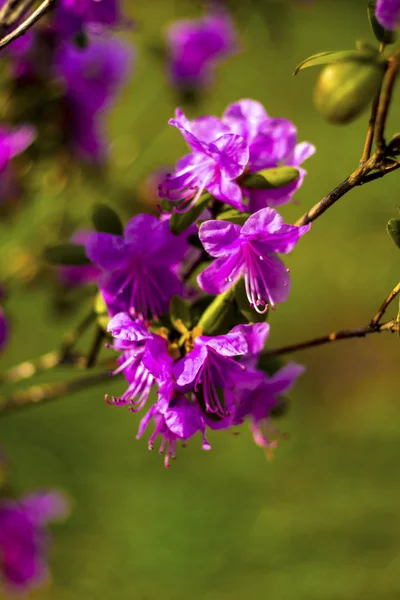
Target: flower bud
{"x":345,"y":89}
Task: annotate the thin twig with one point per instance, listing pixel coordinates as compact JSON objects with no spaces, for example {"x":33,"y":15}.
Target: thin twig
{"x":377,"y":318}
{"x":27,"y":24}
{"x":372,"y":120}
{"x":335,"y":336}
{"x":385,"y":99}
{"x":37,"y":394}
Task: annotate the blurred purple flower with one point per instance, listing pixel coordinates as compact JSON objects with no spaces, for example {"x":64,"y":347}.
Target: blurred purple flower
{"x":138,"y":268}
{"x":77,"y":276}
{"x":195,"y":47}
{"x":12,"y":142}
{"x":388,"y":13}
{"x":218,"y":158}
{"x":24,"y":540}
{"x":74,"y":16}
{"x":93,"y":78}
{"x":257,"y":403}
{"x":272,"y":142}
{"x":250,"y":251}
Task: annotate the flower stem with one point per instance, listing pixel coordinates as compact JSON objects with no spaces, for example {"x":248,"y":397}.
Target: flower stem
{"x":38,"y":394}
{"x":27,"y":23}
{"x":384,"y":103}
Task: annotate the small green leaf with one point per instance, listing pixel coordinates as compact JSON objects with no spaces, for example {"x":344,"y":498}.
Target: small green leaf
{"x":384,"y":36}
{"x":233,"y":216}
{"x":329,"y":58}
{"x":100,"y":309}
{"x":179,"y":222}
{"x":72,"y":255}
{"x":393,"y":229}
{"x":106,"y":220}
{"x":218,"y":315}
{"x":269,"y":179}
{"x":180,"y":310}
{"x":243,"y":304}
{"x":166,"y":205}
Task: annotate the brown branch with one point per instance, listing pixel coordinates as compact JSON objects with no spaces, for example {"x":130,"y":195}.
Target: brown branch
{"x":38,"y":394}
{"x":375,"y":326}
{"x":384,"y":103}
{"x":344,"y":334}
{"x":377,"y":318}
{"x":27,"y":23}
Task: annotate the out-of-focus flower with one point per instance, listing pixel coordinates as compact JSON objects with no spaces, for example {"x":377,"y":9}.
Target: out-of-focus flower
{"x":75,"y":16}
{"x":24,"y":539}
{"x":138,"y":269}
{"x":93,"y":77}
{"x":250,"y":251}
{"x":77,"y":276}
{"x":256,"y":404}
{"x":12,"y":142}
{"x":195,"y":47}
{"x":388,"y":13}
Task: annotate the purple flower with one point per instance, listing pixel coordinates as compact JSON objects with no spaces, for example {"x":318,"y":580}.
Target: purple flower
{"x":218,"y":158}
{"x":74,"y":16}
{"x":211,"y":372}
{"x":140,"y":349}
{"x":388,"y":13}
{"x":196,"y":46}
{"x":77,"y":276}
{"x":257,"y":403}
{"x":93,"y":78}
{"x":250,"y":251}
{"x":175,"y":419}
{"x":12,"y":142}
{"x":138,"y":269}
{"x":272,"y":142}
{"x":24,"y":540}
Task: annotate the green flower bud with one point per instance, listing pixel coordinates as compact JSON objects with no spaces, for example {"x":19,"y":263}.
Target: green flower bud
{"x":345,"y":89}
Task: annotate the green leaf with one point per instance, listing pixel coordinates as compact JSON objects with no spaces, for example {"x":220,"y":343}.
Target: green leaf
{"x":72,"y":255}
{"x":384,"y":36}
{"x":166,"y":205}
{"x":218,"y":315}
{"x":233,"y":216}
{"x":243,"y":305}
{"x":100,"y":309}
{"x":329,"y":58}
{"x":180,"y":310}
{"x":393,"y":229}
{"x":106,"y":220}
{"x":269,"y":179}
{"x":179,"y":222}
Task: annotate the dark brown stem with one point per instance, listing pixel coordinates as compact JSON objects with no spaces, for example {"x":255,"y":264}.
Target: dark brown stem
{"x":384,"y":103}
{"x":335,"y":336}
{"x":96,"y":347}
{"x":27,"y":23}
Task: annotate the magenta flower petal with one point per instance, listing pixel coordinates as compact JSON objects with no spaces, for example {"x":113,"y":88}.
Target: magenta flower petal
{"x":219,"y":276}
{"x":388,"y":13}
{"x":122,"y":327}
{"x":107,"y":250}
{"x":219,"y":237}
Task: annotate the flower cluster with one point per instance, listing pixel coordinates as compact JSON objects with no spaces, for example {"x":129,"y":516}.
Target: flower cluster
{"x":72,"y":74}
{"x":24,"y":540}
{"x":212,"y":381}
{"x":224,"y":151}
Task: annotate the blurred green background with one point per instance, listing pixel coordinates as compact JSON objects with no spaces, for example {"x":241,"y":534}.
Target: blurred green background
{"x":323,"y":519}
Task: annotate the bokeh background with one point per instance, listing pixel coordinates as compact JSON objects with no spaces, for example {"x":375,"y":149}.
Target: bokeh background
{"x":323,"y":519}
